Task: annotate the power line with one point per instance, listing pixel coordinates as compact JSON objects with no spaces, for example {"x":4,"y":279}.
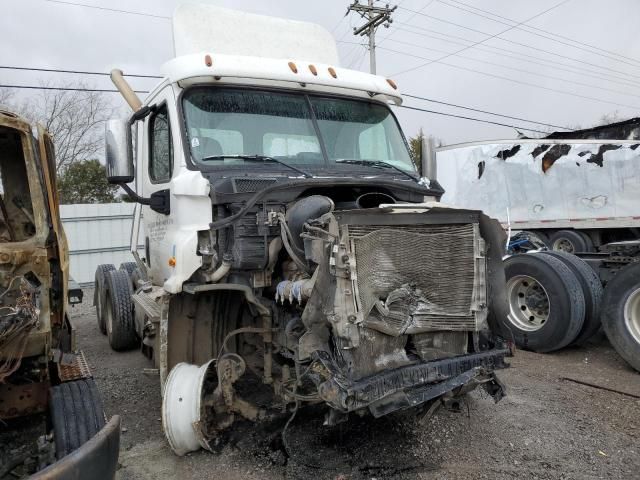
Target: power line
{"x":519,"y":82}
{"x":507,"y":67}
{"x":448,"y":22}
{"x":482,"y":41}
{"x":519,"y":56}
{"x":482,"y":111}
{"x":54,"y":70}
{"x":71,"y":89}
{"x":408,"y":19}
{"x":470,"y":118}
{"x":108,"y":9}
{"x":524,"y":28}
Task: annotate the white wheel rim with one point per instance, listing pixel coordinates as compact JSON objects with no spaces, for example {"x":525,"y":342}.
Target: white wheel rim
{"x":563,"y":245}
{"x":632,"y":314}
{"x":181,"y":407}
{"x":529,"y":304}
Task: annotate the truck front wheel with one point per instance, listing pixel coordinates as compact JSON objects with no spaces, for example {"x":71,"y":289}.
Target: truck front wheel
{"x":621,"y":313}
{"x":76,"y":414}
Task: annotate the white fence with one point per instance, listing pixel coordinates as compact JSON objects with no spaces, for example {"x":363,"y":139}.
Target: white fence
{"x":97,"y":233}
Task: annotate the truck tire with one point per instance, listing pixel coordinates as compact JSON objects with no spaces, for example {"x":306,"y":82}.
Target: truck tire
{"x":592,"y":290}
{"x":621,"y":313}
{"x":99,"y":293}
{"x":77,"y":414}
{"x":119,"y":317}
{"x":546,"y":303}
{"x":128,"y":267}
{"x":569,"y":241}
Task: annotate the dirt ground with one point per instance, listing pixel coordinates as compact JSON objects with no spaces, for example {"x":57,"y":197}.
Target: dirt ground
{"x":548,"y":427}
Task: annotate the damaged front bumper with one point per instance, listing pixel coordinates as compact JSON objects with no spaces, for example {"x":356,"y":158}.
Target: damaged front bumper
{"x":96,"y":459}
{"x":414,"y":384}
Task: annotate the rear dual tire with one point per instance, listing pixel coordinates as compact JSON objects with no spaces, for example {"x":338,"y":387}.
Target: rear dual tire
{"x":621,"y":313}
{"x":570,"y":241}
{"x":546,"y":302}
{"x":99,"y":294}
{"x":119,"y":315}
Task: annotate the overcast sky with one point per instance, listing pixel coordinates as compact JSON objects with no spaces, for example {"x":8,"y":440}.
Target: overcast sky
{"x":513,"y":72}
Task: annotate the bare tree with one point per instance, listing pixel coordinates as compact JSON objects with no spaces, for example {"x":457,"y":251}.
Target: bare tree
{"x":73,"y":117}
{"x":6,"y":98}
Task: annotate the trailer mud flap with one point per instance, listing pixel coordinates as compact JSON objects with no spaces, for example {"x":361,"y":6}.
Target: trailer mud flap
{"x":97,"y":459}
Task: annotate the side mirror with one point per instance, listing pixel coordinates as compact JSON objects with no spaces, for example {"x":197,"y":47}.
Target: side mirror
{"x":118,"y":151}
{"x":428,"y":159}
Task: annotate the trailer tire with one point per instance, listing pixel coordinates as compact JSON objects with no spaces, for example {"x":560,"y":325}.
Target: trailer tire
{"x":543,"y":237}
{"x":621,"y":313}
{"x":120,"y":322}
{"x":77,"y":414}
{"x":99,"y":293}
{"x":546,"y":303}
{"x":592,"y":290}
{"x":569,"y":241}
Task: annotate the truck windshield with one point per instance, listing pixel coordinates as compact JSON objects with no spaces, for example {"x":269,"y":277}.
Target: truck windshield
{"x":307,"y":131}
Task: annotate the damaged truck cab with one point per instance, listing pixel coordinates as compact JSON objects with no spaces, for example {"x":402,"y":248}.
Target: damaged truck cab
{"x":50,"y":410}
{"x":292,"y":253}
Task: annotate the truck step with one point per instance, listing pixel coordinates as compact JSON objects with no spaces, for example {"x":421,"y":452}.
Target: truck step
{"x":149,"y":303}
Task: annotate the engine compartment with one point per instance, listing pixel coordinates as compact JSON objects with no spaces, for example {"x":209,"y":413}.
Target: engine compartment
{"x":356,"y":300}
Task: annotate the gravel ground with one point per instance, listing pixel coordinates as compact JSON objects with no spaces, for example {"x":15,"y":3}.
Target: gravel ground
{"x":548,"y":427}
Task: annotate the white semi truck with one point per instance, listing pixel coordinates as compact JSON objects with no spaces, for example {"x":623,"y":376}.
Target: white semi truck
{"x":293,"y":255}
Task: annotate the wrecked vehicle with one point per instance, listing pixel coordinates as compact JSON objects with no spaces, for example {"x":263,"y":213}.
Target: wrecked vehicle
{"x":292,"y":253}
{"x":52,"y":423}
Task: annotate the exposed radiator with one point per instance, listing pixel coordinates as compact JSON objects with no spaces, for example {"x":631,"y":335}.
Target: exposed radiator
{"x":419,"y":278}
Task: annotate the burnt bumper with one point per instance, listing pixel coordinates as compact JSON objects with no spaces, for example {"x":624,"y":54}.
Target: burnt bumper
{"x":97,"y":459}
{"x":414,"y":384}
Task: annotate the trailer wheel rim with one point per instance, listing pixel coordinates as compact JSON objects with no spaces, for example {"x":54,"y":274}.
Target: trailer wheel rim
{"x":528,"y":303}
{"x":563,"y":245}
{"x":632,"y":314}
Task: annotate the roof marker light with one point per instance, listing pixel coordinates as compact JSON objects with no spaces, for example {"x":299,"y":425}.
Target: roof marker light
{"x":293,"y":67}
{"x":312,"y":69}
{"x":207,"y":60}
{"x":332,"y":72}
{"x":392,"y":83}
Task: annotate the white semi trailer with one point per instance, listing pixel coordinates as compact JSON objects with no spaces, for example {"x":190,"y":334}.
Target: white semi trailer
{"x":293,"y":255}
{"x":573,"y":194}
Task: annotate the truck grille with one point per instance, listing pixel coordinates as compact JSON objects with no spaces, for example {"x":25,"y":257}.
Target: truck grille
{"x":418,"y":278}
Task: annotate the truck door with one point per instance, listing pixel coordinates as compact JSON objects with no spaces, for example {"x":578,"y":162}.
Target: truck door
{"x":160,"y":134}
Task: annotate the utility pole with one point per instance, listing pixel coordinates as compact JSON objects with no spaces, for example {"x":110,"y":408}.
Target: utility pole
{"x":375,"y":17}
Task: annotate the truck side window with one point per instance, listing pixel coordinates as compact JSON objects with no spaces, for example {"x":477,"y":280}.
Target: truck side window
{"x":161,"y":157}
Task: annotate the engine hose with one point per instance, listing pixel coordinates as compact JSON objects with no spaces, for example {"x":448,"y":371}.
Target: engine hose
{"x":287,"y":246}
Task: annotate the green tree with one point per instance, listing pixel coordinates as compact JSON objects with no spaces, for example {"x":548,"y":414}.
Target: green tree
{"x":86,"y":182}
{"x":415,"y":147}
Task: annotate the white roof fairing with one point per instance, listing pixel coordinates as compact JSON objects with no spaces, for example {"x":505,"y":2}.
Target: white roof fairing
{"x":193,"y":69}
{"x":198,"y":27}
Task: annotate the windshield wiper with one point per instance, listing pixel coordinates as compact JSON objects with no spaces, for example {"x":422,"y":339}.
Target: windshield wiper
{"x":376,"y":164}
{"x":258,"y":158}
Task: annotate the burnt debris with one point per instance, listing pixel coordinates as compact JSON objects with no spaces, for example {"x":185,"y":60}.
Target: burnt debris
{"x":508,"y":153}
{"x":554,"y":154}
{"x":598,"y":158}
